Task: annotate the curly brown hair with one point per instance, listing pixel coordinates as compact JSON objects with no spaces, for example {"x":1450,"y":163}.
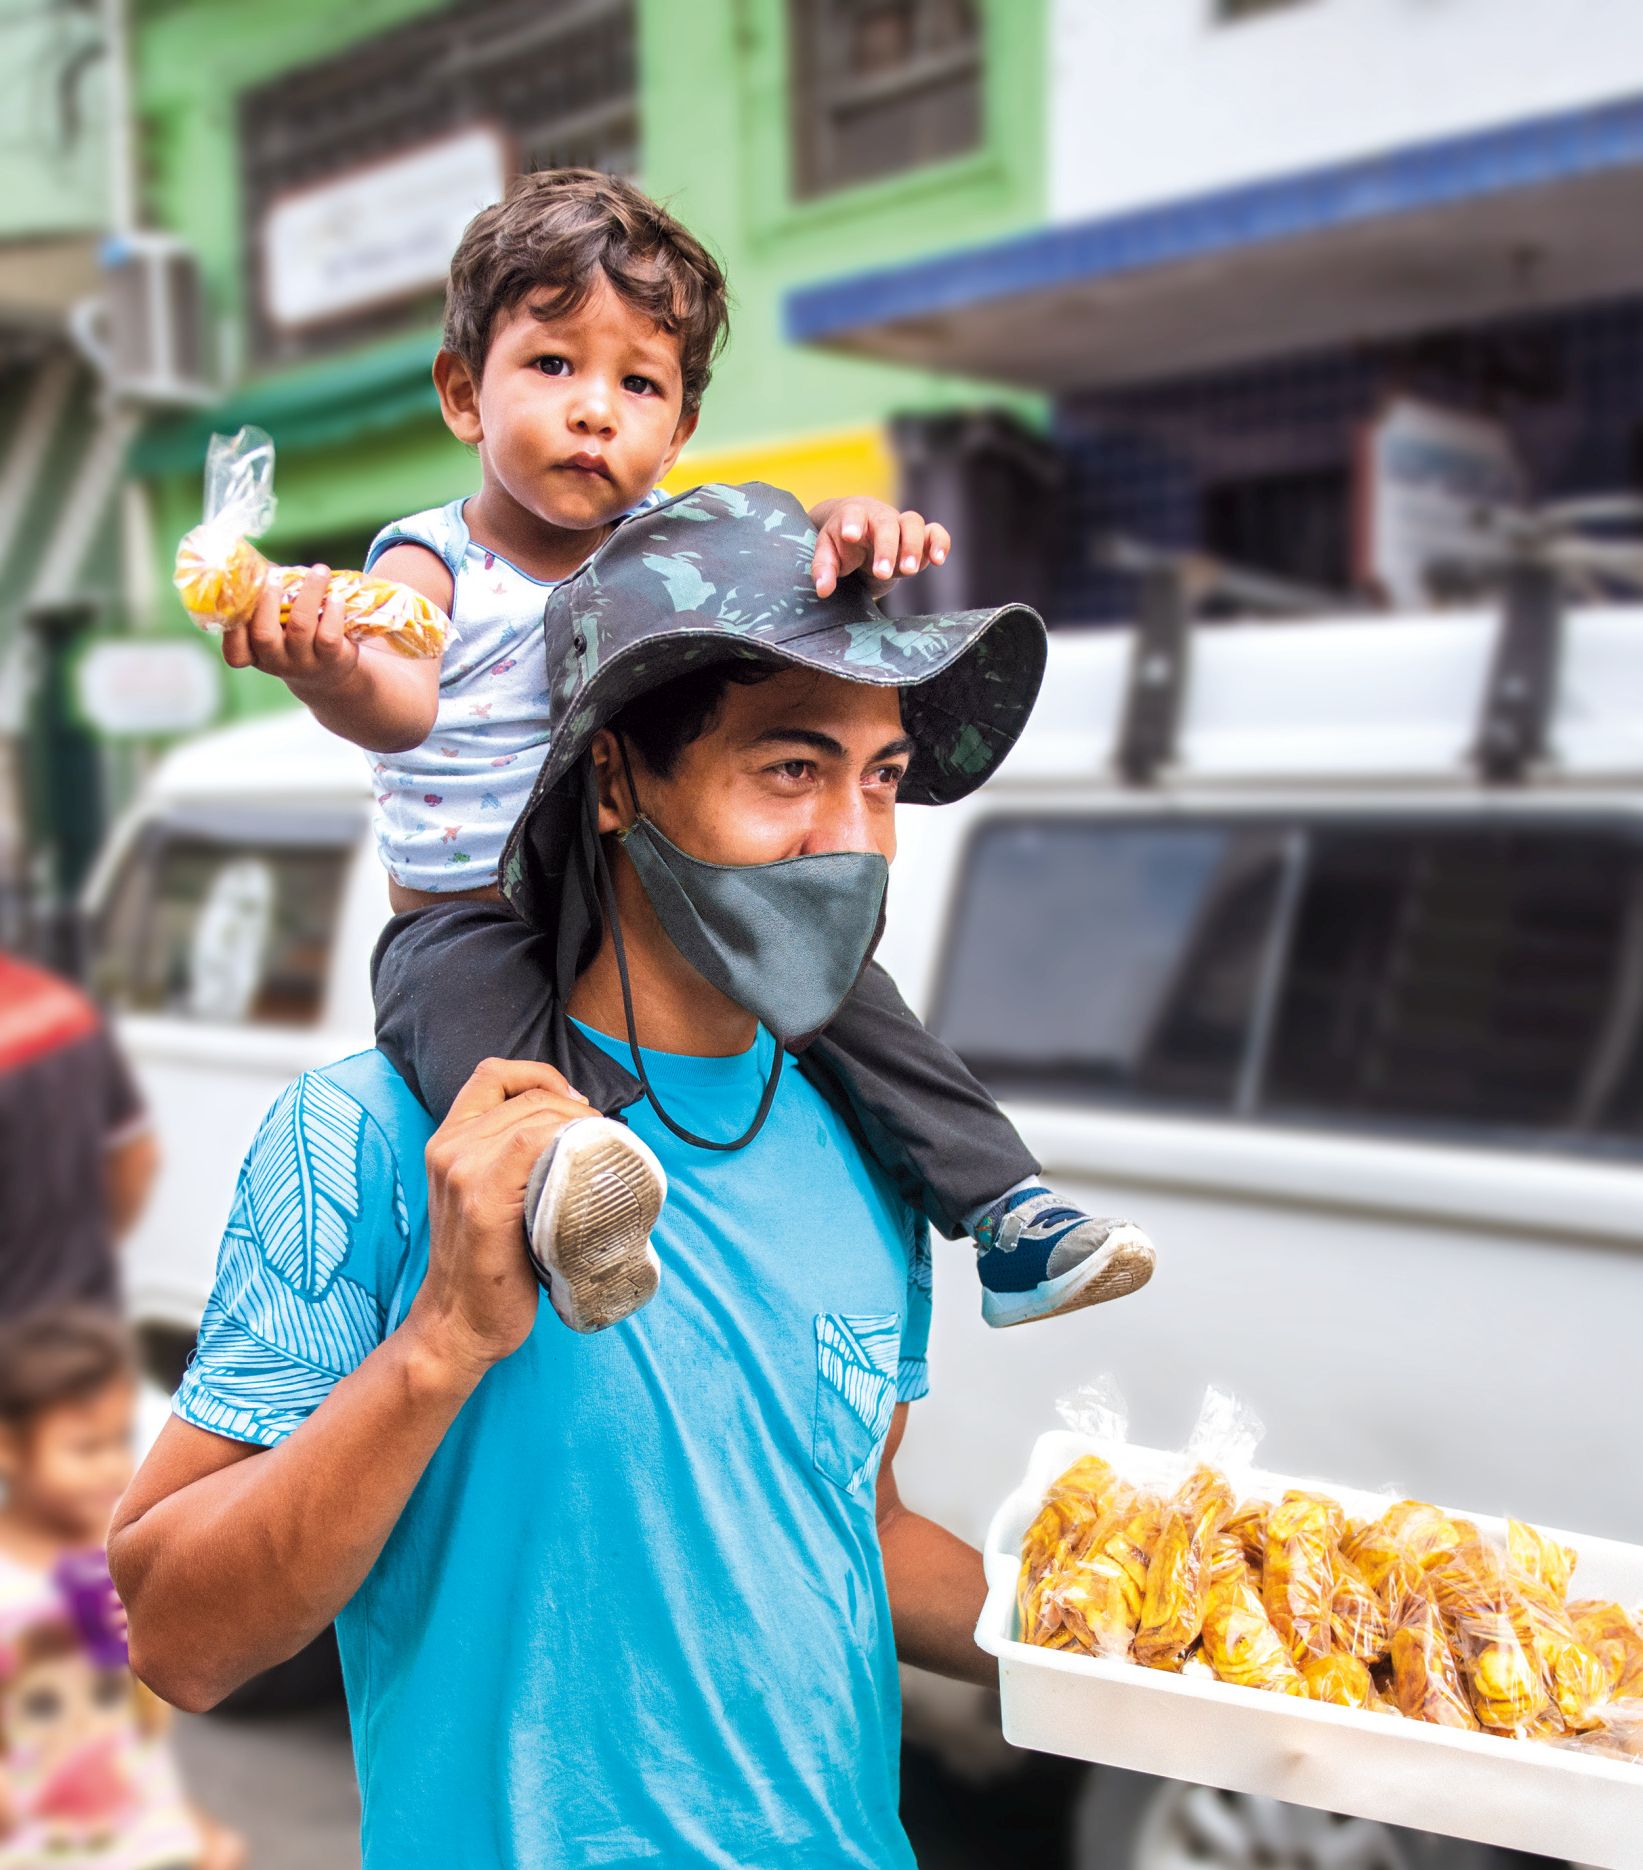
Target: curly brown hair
{"x":564,"y":228}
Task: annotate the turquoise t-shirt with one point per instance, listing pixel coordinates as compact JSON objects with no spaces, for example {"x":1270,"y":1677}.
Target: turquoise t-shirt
{"x":634,"y":1613}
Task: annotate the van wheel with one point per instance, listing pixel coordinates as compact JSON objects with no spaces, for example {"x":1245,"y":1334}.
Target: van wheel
{"x":1129,"y":1821}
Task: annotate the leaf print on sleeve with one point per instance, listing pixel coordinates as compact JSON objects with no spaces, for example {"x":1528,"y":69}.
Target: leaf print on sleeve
{"x":302,"y":1185}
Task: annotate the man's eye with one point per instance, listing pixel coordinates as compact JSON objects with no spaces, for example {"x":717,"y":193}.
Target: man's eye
{"x":553,"y":366}
{"x":792,"y":769}
{"x":889,"y":775}
{"x":640,"y":386}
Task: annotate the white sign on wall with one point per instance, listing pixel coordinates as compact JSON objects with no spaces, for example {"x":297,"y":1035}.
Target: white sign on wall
{"x":378,"y":233}
{"x":138,"y":688}
{"x":1430,"y":481}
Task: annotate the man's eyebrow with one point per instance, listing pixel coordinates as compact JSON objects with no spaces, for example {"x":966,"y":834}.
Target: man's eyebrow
{"x":825,"y":743}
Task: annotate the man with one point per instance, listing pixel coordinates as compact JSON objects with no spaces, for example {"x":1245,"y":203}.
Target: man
{"x":632,"y":1597}
{"x":77,"y":1156}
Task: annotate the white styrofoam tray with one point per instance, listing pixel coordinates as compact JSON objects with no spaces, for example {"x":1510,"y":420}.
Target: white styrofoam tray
{"x":1522,"y":1794}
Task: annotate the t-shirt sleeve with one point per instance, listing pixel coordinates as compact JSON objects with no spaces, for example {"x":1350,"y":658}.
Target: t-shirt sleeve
{"x":912,"y":1367}
{"x":309,"y":1260}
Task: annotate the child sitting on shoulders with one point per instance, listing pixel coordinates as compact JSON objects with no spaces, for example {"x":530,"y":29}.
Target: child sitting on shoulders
{"x":582,"y":321}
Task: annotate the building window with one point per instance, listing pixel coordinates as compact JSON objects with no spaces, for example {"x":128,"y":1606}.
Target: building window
{"x":555,"y":79}
{"x":881,"y":86}
{"x":1295,"y":526}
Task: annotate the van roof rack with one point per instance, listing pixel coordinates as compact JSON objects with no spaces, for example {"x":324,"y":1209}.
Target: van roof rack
{"x":1173,"y":585}
{"x":1549,"y":554}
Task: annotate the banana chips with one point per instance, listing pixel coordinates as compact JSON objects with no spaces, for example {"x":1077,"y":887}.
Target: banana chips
{"x":1415,"y":1613}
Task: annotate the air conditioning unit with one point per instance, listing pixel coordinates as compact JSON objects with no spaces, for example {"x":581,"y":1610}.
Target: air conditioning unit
{"x":147,"y":333}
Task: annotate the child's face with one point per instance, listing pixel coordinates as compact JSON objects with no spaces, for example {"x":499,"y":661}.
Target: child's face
{"x":578,"y":417}
{"x":68,"y":1467}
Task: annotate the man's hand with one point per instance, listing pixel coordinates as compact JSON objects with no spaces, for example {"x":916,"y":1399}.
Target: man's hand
{"x":308,"y":651}
{"x":478,"y":1302}
{"x":870,"y":535}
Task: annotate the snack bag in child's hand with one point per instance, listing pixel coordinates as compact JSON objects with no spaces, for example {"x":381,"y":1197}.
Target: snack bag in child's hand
{"x":220,"y":574}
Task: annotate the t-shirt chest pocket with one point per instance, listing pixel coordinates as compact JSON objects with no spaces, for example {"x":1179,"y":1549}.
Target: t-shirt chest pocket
{"x":855,"y":1393}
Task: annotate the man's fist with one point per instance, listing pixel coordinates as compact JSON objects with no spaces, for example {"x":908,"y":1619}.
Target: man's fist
{"x":479,"y":1301}
{"x":870,"y":536}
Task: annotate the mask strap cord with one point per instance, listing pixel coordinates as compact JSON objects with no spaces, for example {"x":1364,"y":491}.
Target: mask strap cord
{"x":608,"y":892}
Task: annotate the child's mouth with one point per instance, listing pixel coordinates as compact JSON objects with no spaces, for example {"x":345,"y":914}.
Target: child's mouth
{"x":587,"y":464}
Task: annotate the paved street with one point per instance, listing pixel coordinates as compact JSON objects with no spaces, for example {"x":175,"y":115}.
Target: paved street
{"x":286,"y":1781}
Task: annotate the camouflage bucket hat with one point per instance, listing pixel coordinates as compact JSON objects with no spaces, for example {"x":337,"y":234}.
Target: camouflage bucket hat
{"x":722,"y":574}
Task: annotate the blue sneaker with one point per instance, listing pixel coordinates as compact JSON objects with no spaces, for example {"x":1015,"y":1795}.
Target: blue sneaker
{"x":1041,"y":1257}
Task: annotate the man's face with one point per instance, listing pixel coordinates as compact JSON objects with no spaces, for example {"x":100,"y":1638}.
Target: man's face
{"x":790,"y":766}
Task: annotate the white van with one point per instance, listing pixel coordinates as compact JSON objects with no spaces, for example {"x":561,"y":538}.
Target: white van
{"x":1355,"y":1035}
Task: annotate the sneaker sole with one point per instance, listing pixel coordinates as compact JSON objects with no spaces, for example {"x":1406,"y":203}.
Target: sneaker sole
{"x":590,"y":1232}
{"x":1123,"y":1266}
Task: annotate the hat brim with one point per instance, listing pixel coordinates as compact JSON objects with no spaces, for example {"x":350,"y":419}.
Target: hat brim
{"x":968,"y":680}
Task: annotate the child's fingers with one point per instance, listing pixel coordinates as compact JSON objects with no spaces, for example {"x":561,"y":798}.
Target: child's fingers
{"x":910,"y":546}
{"x":886,"y":536}
{"x":824,"y":566}
{"x":302,"y":620}
{"x":938,"y":543}
{"x":330,"y":645}
{"x":236,"y":647}
{"x":263,"y":633}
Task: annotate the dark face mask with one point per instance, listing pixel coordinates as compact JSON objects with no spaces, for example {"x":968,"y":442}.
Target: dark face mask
{"x":786,"y":940}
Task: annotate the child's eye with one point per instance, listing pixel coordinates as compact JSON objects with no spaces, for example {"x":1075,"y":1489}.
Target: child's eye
{"x":640,"y":386}
{"x":553,"y":366}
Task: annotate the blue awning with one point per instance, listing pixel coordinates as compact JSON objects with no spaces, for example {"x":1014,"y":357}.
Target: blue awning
{"x":1504,"y":220}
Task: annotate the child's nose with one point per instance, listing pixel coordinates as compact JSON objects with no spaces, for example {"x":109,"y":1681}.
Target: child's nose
{"x":593,"y":411}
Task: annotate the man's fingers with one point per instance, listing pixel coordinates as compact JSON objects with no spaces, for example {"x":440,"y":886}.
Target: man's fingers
{"x":495,"y":1080}
{"x":501,"y":1120}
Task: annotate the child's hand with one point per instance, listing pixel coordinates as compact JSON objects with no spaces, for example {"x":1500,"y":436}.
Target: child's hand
{"x":870,"y":535}
{"x":309,"y":652}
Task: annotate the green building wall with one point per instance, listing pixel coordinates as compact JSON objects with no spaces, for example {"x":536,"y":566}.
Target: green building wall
{"x":359,"y":435}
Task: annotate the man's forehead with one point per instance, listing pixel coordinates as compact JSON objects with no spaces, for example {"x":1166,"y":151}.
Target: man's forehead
{"x":808,"y":699}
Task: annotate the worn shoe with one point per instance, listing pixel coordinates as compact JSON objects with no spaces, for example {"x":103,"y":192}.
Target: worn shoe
{"x":590,"y":1204}
{"x":1041,"y":1257}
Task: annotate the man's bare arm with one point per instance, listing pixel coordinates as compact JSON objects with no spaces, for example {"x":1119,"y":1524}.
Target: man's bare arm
{"x":935,"y":1582}
{"x":230,"y":1559}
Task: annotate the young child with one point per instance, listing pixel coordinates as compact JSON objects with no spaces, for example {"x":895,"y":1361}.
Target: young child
{"x":580,"y":328}
{"x":86,"y":1777}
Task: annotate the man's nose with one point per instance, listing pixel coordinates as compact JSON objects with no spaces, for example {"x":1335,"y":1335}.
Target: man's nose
{"x":842,"y":822}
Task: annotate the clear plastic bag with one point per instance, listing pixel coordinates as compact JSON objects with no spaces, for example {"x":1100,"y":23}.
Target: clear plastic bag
{"x":220,"y":575}
{"x":1196,"y":1563}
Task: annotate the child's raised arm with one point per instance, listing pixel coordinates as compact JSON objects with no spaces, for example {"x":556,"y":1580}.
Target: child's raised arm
{"x":368,"y":694}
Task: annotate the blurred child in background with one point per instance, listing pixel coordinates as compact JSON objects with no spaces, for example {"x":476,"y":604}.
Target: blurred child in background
{"x":86,"y":1774}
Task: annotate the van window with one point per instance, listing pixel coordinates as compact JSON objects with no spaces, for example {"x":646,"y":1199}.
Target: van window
{"x":1121,"y":961}
{"x":1455,"y":977}
{"x":1477,"y":982}
{"x":227,"y":917}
